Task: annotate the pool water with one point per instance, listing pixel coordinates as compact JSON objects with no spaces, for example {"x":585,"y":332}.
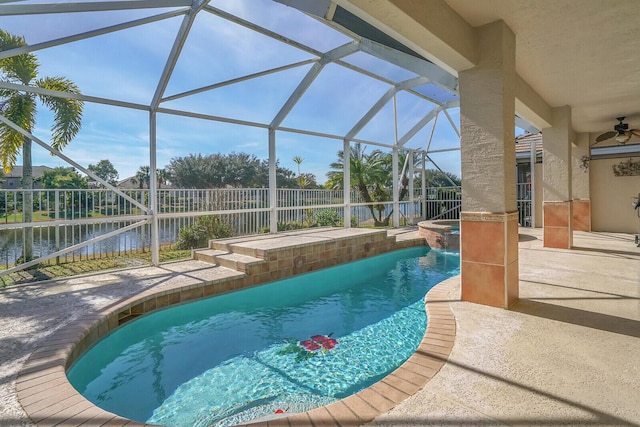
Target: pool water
{"x":287,"y":346}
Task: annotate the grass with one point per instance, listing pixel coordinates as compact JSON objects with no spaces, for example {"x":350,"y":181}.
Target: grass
{"x":50,"y":270}
{"x":17,"y":217}
{"x":47,"y":215}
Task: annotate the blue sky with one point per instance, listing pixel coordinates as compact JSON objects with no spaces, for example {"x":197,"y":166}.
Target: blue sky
{"x":126,"y":65}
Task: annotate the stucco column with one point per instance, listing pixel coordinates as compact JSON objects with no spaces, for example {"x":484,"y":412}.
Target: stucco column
{"x":557,"y":194}
{"x":489,"y":218}
{"x":581,"y":203}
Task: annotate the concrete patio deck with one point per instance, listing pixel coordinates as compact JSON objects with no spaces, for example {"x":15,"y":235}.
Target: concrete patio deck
{"x":567,"y":354}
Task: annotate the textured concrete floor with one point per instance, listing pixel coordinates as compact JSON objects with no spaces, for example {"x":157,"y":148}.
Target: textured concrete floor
{"x":567,"y":354}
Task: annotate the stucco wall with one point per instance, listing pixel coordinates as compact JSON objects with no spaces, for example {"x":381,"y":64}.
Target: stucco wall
{"x":580,"y":176}
{"x":612,"y":198}
{"x":538,"y":196}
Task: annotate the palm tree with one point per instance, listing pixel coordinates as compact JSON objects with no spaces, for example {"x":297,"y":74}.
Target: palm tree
{"x":368,"y":176}
{"x":164,"y":176}
{"x":20,"y":108}
{"x":298,"y":160}
{"x":143,"y":177}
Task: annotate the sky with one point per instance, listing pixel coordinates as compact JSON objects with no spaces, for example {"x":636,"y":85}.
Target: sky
{"x":127,"y":66}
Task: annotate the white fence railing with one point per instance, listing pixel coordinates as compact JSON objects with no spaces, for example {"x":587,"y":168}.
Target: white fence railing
{"x":524,"y":205}
{"x":64,"y":219}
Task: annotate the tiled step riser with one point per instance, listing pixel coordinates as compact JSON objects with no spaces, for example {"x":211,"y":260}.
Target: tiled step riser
{"x":247,"y":268}
{"x":241,"y":250}
{"x":199,"y":256}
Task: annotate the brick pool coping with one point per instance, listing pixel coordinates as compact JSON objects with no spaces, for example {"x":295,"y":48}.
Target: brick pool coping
{"x":49,"y":399}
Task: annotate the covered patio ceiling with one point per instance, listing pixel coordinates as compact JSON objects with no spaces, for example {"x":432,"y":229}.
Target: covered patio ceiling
{"x":583,"y":54}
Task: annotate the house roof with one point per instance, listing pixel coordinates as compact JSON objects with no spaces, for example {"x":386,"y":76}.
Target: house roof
{"x":130,"y":183}
{"x":523,"y":143}
{"x":16,"y":172}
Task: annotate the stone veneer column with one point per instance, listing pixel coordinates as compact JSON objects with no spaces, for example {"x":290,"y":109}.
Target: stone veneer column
{"x":556,"y":196}
{"x":581,"y":203}
{"x":489,"y":219}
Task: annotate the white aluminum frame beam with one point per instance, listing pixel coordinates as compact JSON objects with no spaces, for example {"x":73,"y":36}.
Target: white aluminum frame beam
{"x":273,"y":188}
{"x":67,"y":95}
{"x":433,"y":129}
{"x":418,"y":126}
{"x":332,"y":55}
{"x":412,"y":211}
{"x":346,"y":181}
{"x":74,"y":247}
{"x":47,"y":8}
{"x":379,"y":105}
{"x":423,"y":184}
{"x":453,"y":125}
{"x":174,"y":54}
{"x":89,"y":34}
{"x":238,"y":80}
{"x":443,"y":172}
{"x":178,"y":44}
{"x":395,"y":188}
{"x":57,"y":153}
{"x":261,"y":30}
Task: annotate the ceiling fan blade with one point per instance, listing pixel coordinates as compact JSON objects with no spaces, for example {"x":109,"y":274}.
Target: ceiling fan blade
{"x":627,"y":136}
{"x":606,"y":135}
{"x":635,"y":132}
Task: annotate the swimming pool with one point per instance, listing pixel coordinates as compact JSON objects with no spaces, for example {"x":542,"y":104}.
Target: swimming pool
{"x":287,"y":346}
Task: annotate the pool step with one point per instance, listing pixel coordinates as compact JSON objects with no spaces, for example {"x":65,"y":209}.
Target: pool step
{"x":243,"y":263}
{"x":237,"y":248}
{"x":271,"y":257}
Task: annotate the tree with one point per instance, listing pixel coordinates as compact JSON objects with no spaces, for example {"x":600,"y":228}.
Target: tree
{"x":143,"y":177}
{"x":307,"y":180}
{"x":435,"y":178}
{"x":105,"y":170}
{"x":372,"y":176}
{"x":62,"y":178}
{"x":164,"y":177}
{"x":66,"y":178}
{"x":223,"y":170}
{"x":367,"y":176}
{"x":20,"y":108}
{"x":285,"y":178}
{"x":298,"y":160}
{"x":302,"y":181}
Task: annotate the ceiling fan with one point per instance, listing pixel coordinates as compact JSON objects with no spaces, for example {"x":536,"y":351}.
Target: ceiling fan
{"x":621,"y":132}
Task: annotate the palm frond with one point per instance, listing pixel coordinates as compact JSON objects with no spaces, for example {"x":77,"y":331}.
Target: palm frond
{"x":22,"y":68}
{"x":21,"y":110}
{"x":67,"y":112}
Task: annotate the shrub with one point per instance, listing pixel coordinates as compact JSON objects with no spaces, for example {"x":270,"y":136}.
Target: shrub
{"x":327,"y":218}
{"x":204,"y":229}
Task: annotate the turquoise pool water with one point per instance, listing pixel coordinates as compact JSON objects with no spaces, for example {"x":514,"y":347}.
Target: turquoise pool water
{"x":287,"y":346}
